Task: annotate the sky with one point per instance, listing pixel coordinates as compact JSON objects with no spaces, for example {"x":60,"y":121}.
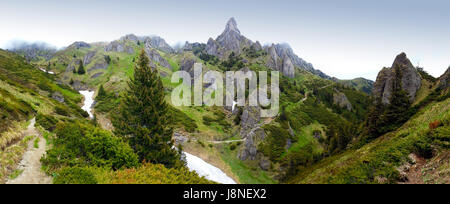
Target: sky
{"x":345,"y":39}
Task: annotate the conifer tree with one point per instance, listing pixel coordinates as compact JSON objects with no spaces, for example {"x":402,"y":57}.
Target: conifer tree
{"x":397,"y":111}
{"x":143,"y":117}
{"x":101,"y":92}
{"x":81,"y":70}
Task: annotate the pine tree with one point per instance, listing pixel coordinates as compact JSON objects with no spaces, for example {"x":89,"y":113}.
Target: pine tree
{"x":143,"y":117}
{"x":81,"y":70}
{"x":101,"y":92}
{"x":397,"y":111}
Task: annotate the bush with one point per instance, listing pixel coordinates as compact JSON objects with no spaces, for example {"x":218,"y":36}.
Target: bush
{"x":78,"y":144}
{"x":46,"y":121}
{"x":60,"y":110}
{"x":75,"y":175}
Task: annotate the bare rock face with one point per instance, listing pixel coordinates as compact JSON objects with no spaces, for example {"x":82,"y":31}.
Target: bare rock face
{"x":58,"y":96}
{"x":444,"y":80}
{"x":251,"y":132}
{"x":88,"y":58}
{"x":159,"y":43}
{"x":118,"y":46}
{"x":229,"y":41}
{"x":154,"y":56}
{"x":411,"y":79}
{"x":282,"y":55}
{"x":78,"y":45}
{"x":341,"y":100}
{"x":212,"y":48}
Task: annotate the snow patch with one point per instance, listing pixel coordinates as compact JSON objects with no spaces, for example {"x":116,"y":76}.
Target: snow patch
{"x":207,"y":170}
{"x":88,"y":101}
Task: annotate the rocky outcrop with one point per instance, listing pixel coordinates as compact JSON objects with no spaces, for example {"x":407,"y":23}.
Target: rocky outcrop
{"x":159,"y":43}
{"x":191,"y":46}
{"x":58,"y":97}
{"x":212,"y":48}
{"x":78,"y":45}
{"x":97,"y":75}
{"x":444,"y":80}
{"x":251,"y":132}
{"x":154,"y":56}
{"x":229,"y":41}
{"x":119,"y":46}
{"x":88,"y":58}
{"x":341,"y":100}
{"x":411,"y":79}
{"x":282,"y":58}
{"x":34,"y":51}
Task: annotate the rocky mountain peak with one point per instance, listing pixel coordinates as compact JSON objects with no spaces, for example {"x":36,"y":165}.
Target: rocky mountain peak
{"x":411,"y":80}
{"x":232,"y":26}
{"x":403,"y":61}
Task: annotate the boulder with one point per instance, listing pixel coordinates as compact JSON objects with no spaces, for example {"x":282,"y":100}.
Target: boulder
{"x":341,"y":100}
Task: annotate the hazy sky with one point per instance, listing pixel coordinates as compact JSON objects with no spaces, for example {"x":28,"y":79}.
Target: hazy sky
{"x":346,"y":38}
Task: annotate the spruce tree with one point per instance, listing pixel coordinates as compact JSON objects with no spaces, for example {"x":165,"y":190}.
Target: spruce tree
{"x":81,"y":70}
{"x":101,"y":92}
{"x":397,"y":111}
{"x":143,"y":117}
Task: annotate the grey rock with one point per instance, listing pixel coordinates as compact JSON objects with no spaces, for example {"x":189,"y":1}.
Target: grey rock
{"x":58,"y":96}
{"x":265,"y":164}
{"x":212,"y":48}
{"x":444,"y":80}
{"x":411,"y":79}
{"x":159,"y":43}
{"x":79,"y":45}
{"x":156,"y":57}
{"x":179,"y":138}
{"x":250,"y":149}
{"x":97,"y":75}
{"x":341,"y":100}
{"x":97,"y":66}
{"x":119,"y":46}
{"x":88,"y":58}
{"x":281,"y":52}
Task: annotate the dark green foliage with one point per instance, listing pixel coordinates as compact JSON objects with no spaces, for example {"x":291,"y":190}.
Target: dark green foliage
{"x":425,"y":75}
{"x":385,"y":118}
{"x":209,"y":58}
{"x":61,"y":110}
{"x":105,"y":101}
{"x":275,"y":142}
{"x":48,"y":122}
{"x":218,"y":118}
{"x":234,"y":62}
{"x":108,"y":59}
{"x":75,"y":175}
{"x":79,"y":144}
{"x":181,"y":120}
{"x":81,"y":69}
{"x":143,"y":117}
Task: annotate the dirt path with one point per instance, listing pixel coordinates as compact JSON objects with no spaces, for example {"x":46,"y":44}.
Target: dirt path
{"x":31,"y":164}
{"x":225,"y":142}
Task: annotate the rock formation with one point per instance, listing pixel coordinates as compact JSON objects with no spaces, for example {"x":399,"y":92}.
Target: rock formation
{"x":411,"y":79}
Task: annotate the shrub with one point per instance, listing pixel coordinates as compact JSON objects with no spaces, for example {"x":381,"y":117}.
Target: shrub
{"x":46,"y":121}
{"x":78,"y":144}
{"x":75,"y":175}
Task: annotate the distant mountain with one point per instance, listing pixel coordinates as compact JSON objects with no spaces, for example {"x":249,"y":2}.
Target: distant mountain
{"x":281,"y":56}
{"x":34,"y":51}
{"x":361,"y":84}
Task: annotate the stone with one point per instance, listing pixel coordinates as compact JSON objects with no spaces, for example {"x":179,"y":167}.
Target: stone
{"x":58,"y":96}
{"x":341,"y":100}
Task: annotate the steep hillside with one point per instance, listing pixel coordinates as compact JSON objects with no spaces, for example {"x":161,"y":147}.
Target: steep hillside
{"x":387,"y":159}
{"x":360,"y":84}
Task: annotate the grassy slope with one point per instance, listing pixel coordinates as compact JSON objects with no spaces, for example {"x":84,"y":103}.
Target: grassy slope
{"x":379,"y":158}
